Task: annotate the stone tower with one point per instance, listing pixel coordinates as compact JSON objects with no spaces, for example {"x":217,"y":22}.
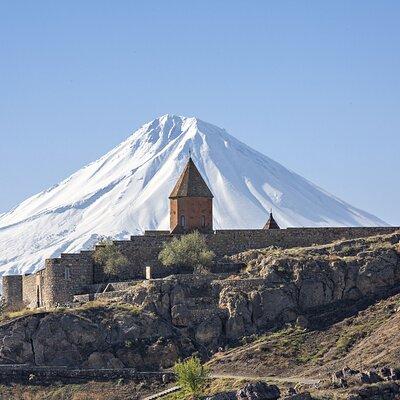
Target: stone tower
{"x":191,"y":202}
{"x":271,"y":223}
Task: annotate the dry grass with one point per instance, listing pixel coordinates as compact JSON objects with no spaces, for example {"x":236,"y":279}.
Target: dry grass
{"x":370,"y":337}
{"x":105,"y":304}
{"x":95,"y":305}
{"x":346,"y":250}
{"x":214,"y":386}
{"x":10,"y":315}
{"x":86,"y":391}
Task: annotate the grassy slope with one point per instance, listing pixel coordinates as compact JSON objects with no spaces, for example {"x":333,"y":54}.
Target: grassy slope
{"x":371,"y":338}
{"x":365,"y":339}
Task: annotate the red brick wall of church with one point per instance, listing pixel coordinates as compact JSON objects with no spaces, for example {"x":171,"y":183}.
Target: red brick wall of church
{"x":194,"y":209}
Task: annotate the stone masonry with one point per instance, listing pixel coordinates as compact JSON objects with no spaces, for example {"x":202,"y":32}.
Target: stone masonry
{"x":71,"y":274}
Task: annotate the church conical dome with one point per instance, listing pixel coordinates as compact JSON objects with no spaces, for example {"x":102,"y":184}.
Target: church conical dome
{"x":271,"y":223}
{"x":190,"y":183}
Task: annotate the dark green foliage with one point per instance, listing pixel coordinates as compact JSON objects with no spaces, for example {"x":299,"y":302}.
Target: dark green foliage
{"x":110,"y":258}
{"x":189,"y":251}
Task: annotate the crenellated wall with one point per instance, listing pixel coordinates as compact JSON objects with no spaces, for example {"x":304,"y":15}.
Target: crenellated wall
{"x":71,"y":274}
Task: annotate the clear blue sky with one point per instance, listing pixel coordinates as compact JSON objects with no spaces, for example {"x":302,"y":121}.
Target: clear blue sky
{"x":314,"y":85}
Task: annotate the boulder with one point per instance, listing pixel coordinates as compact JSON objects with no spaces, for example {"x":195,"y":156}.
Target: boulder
{"x":258,"y":391}
{"x":222,"y":396}
{"x":373,"y":377}
{"x":386,"y":372}
{"x":302,"y":322}
{"x":347,"y":372}
{"x":298,"y":396}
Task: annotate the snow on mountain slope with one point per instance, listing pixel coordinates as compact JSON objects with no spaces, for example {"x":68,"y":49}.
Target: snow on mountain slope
{"x":126,"y":191}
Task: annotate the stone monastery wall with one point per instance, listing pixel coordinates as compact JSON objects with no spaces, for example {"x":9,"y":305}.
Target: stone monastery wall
{"x":228,"y":242}
{"x":72,"y":274}
{"x":12,"y":289}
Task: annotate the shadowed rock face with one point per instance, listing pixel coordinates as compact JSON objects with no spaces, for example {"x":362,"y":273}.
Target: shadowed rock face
{"x":182,"y":314}
{"x":97,"y":338}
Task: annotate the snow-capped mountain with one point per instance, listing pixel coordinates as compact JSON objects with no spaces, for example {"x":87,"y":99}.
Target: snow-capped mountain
{"x":126,"y":191}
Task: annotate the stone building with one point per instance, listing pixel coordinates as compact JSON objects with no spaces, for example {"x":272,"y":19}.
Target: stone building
{"x":271,"y":223}
{"x":190,"y":209}
{"x":191,"y":202}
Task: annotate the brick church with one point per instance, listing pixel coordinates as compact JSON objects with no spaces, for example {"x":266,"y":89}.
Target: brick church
{"x":191,"y":204}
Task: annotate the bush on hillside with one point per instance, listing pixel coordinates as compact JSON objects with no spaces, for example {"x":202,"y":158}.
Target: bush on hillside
{"x":108,"y":255}
{"x":191,"y":376}
{"x":189,"y":251}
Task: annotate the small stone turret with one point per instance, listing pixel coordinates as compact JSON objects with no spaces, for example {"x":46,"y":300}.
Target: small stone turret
{"x":271,"y":223}
{"x":191,"y":202}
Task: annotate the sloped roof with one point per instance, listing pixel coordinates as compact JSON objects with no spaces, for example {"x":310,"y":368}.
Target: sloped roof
{"x":271,"y":223}
{"x":191,"y":183}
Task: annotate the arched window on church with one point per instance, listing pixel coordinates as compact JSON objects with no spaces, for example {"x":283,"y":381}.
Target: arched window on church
{"x":183,"y":221}
{"x":203,"y":221}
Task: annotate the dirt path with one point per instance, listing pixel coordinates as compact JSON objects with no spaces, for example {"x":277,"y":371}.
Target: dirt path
{"x":305,"y":381}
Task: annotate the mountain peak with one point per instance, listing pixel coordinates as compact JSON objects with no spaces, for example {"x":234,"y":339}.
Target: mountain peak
{"x":182,"y":120}
{"x":126,"y":192}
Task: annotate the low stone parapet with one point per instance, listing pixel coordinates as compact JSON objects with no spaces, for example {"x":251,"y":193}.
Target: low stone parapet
{"x":49,"y":374}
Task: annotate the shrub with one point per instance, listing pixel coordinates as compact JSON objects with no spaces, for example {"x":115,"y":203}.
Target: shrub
{"x":189,"y":251}
{"x":110,"y":258}
{"x":191,"y":376}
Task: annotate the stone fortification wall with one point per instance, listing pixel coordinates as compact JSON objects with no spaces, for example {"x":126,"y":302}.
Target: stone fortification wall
{"x":48,"y":375}
{"x":71,"y":273}
{"x":229,"y":242}
{"x":66,"y":276}
{"x":12,"y":291}
{"x":32,"y":289}
{"x":143,"y":251}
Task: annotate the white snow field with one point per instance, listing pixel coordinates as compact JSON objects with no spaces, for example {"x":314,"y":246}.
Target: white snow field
{"x":126,"y":191}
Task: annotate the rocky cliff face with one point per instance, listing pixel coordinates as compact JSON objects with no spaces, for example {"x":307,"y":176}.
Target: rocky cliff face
{"x":154,"y":323}
{"x":278,"y":286}
{"x":101,"y":336}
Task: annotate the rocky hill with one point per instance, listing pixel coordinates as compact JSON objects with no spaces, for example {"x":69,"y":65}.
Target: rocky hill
{"x":296,"y":312}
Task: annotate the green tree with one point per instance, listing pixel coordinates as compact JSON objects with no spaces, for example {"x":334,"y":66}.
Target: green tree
{"x":191,"y":376}
{"x":110,"y":258}
{"x":189,"y":251}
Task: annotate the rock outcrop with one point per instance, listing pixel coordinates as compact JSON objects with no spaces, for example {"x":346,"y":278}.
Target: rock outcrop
{"x":153,"y":323}
{"x":258,"y":391}
{"x":101,"y":337}
{"x":280,"y":286}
